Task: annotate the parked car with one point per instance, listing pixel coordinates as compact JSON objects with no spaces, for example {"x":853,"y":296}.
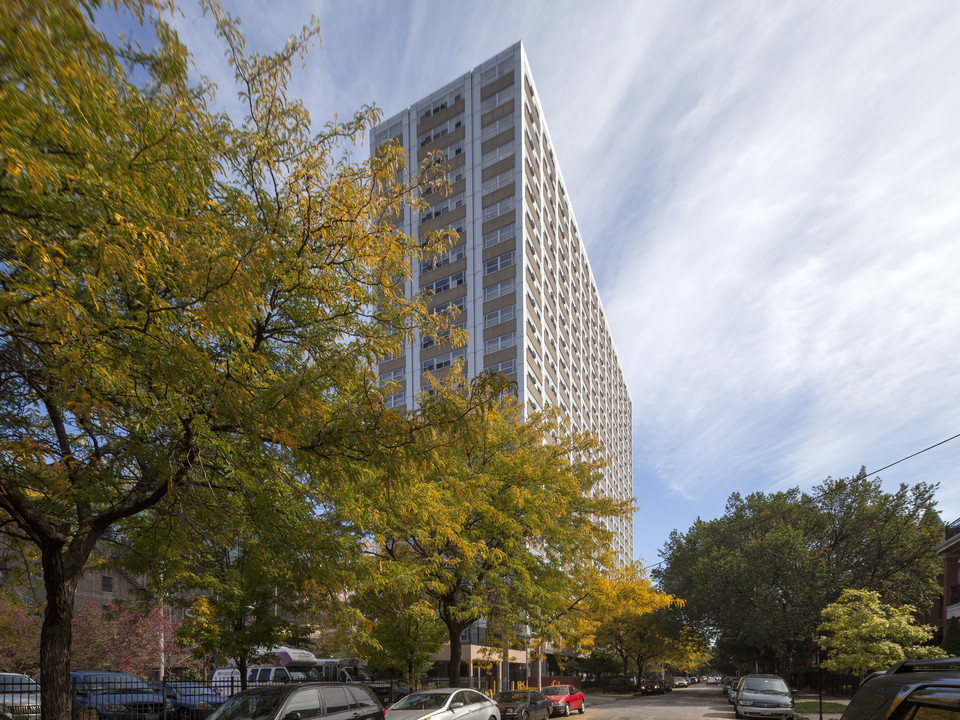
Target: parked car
{"x":524,"y":705}
{"x":730,"y":688}
{"x":917,"y":689}
{"x":763,"y":696}
{"x":564,"y":699}
{"x":302,"y":701}
{"x":652,"y":685}
{"x":680,"y":681}
{"x":19,"y":697}
{"x":115,"y":696}
{"x":443,"y":703}
{"x":190,"y":700}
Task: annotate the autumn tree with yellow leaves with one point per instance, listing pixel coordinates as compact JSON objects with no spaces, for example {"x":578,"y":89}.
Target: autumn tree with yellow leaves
{"x":621,"y":609}
{"x":492,"y":512}
{"x":179,"y":294}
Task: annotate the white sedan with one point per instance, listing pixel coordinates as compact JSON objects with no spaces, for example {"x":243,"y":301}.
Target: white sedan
{"x":444,"y":704}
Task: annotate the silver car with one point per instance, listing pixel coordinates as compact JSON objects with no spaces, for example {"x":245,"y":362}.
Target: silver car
{"x":763,"y":696}
{"x":444,"y":704}
{"x":19,"y":697}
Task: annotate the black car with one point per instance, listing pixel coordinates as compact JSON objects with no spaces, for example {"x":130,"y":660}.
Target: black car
{"x":115,"y":696}
{"x":302,"y":701}
{"x":912,"y":690}
{"x":651,"y":685}
{"x":189,"y":700}
{"x":524,"y":705}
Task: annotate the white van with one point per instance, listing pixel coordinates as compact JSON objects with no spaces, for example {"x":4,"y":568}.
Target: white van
{"x":226,"y":681}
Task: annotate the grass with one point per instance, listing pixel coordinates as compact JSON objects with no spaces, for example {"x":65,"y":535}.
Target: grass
{"x":812,"y":707}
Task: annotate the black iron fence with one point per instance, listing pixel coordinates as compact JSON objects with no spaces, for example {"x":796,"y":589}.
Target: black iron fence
{"x":952,"y":529}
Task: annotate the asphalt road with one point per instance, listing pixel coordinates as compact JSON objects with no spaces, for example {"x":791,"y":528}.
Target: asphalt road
{"x":692,"y":703}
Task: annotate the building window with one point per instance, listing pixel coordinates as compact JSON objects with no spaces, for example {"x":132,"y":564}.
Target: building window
{"x":500,"y":262}
{"x":442,"y":361}
{"x":500,"y":316}
{"x":457,"y":303}
{"x":497,"y":154}
{"x":106,"y":583}
{"x":455,"y":253}
{"x":500,"y":98}
{"x":500,"y":342}
{"x":499,"y":290}
{"x":497,"y":209}
{"x":444,"y":284}
{"x":429,"y":341}
{"x":391,"y":376}
{"x":495,"y":128}
{"x":507,"y":367}
{"x":500,"y":181}
{"x":395,"y":400}
{"x":498,"y":236}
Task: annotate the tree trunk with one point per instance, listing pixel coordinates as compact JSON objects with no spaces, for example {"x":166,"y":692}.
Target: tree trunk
{"x":456,"y":651}
{"x":56,"y":635}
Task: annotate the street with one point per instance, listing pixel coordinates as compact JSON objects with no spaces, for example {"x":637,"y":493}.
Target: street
{"x":699,"y":701}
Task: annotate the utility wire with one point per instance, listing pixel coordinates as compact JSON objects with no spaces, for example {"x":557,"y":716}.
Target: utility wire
{"x":919,"y":452}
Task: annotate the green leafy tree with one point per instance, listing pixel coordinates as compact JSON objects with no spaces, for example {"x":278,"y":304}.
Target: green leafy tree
{"x":251,"y":580}
{"x":400,"y":632}
{"x":951,"y":637}
{"x":756,"y":579}
{"x":178,"y":293}
{"x":862,"y":633}
{"x":491,"y":511}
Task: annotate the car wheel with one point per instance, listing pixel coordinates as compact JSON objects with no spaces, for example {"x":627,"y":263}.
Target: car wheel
{"x":525,"y":715}
{"x":737,"y":712}
{"x":566,"y":710}
{"x":583,"y":705}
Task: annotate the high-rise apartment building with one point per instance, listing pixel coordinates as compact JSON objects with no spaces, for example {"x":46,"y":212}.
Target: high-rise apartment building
{"x":519,"y":276}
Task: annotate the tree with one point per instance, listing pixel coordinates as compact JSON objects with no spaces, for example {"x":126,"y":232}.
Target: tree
{"x":19,"y":635}
{"x":400,"y":631}
{"x":492,"y":512}
{"x":951,"y":637}
{"x":253,"y":579}
{"x":178,"y":293}
{"x":624,"y":601}
{"x":862,"y":633}
{"x":757,"y":578}
{"x":126,"y":637}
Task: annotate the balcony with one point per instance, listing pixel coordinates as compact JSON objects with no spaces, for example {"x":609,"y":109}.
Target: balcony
{"x":952,"y":529}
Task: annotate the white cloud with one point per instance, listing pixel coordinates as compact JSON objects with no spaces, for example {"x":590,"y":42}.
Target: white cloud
{"x":769,"y":194}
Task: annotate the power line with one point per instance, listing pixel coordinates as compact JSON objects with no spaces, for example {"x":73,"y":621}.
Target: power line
{"x":875,"y":472}
{"x":920,"y":452}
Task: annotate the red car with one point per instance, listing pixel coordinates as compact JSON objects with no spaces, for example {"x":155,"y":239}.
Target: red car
{"x":564,"y":698}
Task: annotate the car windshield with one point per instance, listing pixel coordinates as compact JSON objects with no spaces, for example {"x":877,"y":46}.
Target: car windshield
{"x":422,"y":701}
{"x":17,"y":684}
{"x":555,"y":690}
{"x":191,"y":689}
{"x":260,"y":705}
{"x":773,"y":686}
{"x":514,"y":697}
{"x":119,"y":683}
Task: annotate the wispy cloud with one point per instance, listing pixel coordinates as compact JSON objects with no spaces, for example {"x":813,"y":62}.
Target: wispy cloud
{"x":769,"y":194}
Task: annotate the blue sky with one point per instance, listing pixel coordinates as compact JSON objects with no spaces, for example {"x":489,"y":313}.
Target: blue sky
{"x":770,"y":198}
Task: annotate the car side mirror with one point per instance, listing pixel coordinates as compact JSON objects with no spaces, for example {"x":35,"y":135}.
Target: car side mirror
{"x":454,"y":706}
{"x":292,"y":716}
